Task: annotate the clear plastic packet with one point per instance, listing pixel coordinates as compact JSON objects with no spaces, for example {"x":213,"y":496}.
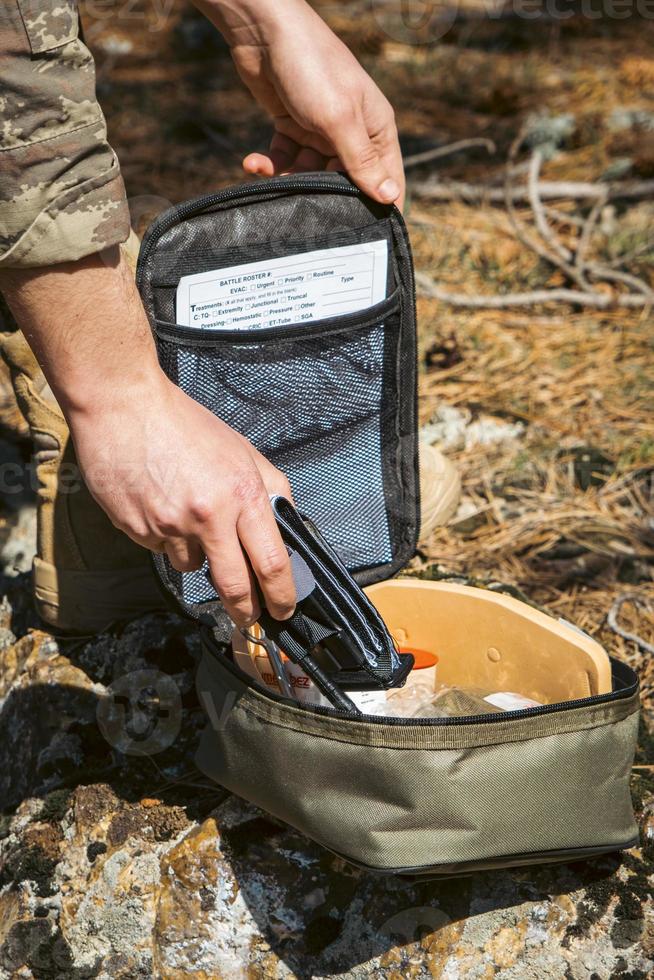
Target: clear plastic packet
{"x":453,"y":702}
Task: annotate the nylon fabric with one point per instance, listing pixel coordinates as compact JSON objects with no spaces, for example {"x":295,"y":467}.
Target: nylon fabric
{"x":420,"y":806}
{"x":298,"y":635}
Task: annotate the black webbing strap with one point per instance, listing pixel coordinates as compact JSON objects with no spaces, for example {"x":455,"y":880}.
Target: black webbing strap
{"x":296,"y":636}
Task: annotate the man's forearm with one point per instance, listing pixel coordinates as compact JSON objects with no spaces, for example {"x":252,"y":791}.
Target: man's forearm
{"x":86,"y":325}
{"x":167,"y":472}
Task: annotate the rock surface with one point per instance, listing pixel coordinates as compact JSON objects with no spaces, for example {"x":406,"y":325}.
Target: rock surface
{"x":119,"y":864}
{"x":119,"y":860}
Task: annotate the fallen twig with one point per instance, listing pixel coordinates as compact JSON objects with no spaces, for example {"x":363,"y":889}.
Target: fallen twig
{"x":548,"y":190}
{"x":562,"y":216}
{"x":521,"y":231}
{"x":546,"y":233}
{"x":612,"y":620}
{"x":587,"y":229}
{"x":444,"y":151}
{"x":597,"y":269}
{"x":572,"y":263}
{"x":599,"y":301}
{"x":616,"y":275}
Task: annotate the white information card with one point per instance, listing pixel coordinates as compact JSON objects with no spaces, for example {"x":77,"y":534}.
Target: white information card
{"x":276,"y":292}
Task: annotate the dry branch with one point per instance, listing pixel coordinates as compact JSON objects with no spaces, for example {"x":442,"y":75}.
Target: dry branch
{"x":573,"y":264}
{"x":444,"y":151}
{"x":522,"y":233}
{"x":599,"y":270}
{"x":548,"y":190}
{"x":598,"y":301}
{"x":546,"y":233}
{"x":612,"y":621}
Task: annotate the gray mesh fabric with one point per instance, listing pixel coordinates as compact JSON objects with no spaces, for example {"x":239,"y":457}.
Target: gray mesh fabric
{"x":314,"y":407}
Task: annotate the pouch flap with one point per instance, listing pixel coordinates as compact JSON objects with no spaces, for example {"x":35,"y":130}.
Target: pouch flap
{"x":330,"y":401}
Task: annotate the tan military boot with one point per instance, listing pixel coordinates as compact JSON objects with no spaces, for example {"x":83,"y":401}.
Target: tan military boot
{"x":440,"y":490}
{"x":87,"y":574}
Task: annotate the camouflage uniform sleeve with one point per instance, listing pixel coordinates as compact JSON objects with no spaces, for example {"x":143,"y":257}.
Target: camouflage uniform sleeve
{"x":61,"y":193}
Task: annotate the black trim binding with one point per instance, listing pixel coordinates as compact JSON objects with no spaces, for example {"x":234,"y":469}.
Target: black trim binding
{"x":192,"y":337}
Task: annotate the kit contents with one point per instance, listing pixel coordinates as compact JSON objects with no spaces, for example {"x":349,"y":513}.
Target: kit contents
{"x":371,"y":702}
{"x":510,"y":701}
{"x":293,"y":289}
{"x":451,"y":702}
{"x":275,"y":661}
{"x":421,"y":697}
{"x":244,"y":659}
{"x":251,"y":653}
{"x":421,"y":682}
{"x":448,"y":702}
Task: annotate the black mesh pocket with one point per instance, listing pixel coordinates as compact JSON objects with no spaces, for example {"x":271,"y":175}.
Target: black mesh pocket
{"x":320,"y":401}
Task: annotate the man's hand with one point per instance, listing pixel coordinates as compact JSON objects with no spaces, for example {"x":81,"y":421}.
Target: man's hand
{"x":167,"y":472}
{"x":178,"y":480}
{"x":327,"y":111}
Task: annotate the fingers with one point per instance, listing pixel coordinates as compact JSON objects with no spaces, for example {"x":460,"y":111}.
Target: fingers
{"x":285,"y":156}
{"x":283,"y":152}
{"x":307,"y":160}
{"x":279,"y":160}
{"x":274,"y":480}
{"x":259,"y":164}
{"x":184,"y":554}
{"x":252,"y":549}
{"x":232,"y":578}
{"x":373,"y":163}
{"x":260,"y":537}
{"x":392,"y":154}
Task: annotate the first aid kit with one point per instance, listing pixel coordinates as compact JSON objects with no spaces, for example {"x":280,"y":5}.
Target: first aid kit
{"x":287,"y":308}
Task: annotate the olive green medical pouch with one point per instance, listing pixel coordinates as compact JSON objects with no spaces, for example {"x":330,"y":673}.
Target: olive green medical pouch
{"x":332,"y":402}
{"x":430,"y":796}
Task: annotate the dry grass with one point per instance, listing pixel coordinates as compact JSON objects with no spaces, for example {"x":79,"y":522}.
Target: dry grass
{"x":564,"y":511}
{"x":572,"y":532}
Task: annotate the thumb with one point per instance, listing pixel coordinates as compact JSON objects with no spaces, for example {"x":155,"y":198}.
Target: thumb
{"x":364,"y":163}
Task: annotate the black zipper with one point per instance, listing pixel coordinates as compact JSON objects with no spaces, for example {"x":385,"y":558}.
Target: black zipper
{"x":265,"y":189}
{"x":491,"y":718}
